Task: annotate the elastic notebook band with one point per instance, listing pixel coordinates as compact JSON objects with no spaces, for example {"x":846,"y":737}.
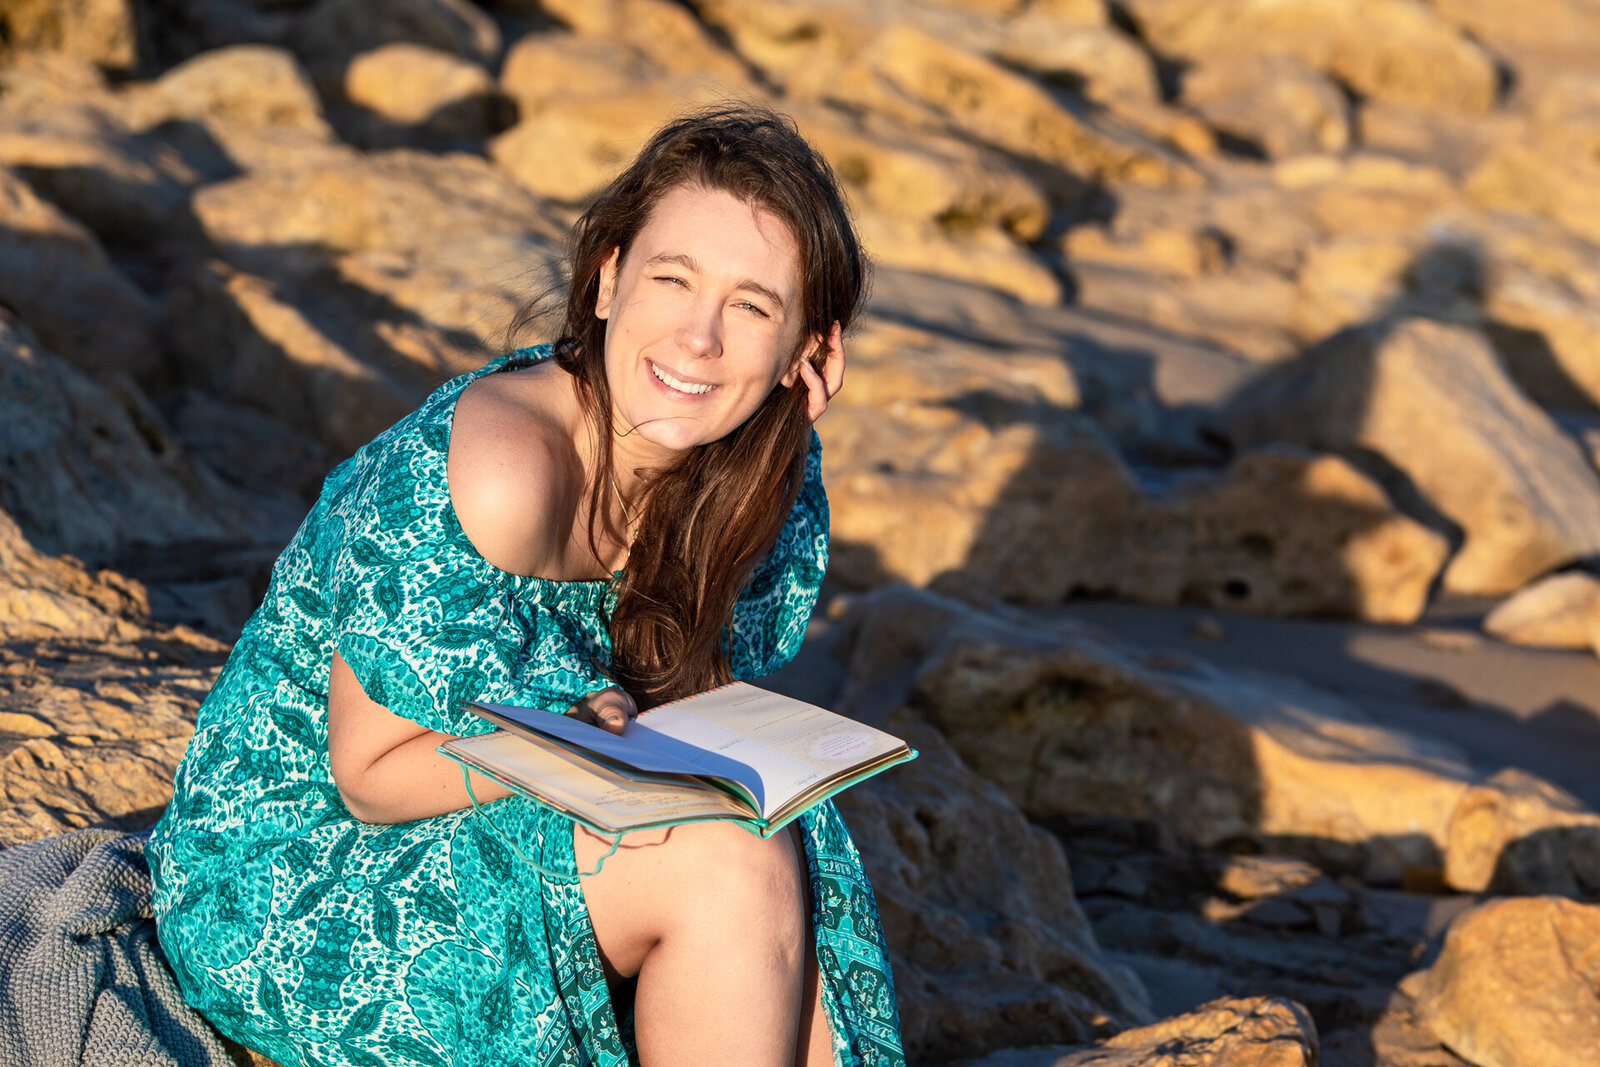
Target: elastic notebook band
{"x":554,"y":876}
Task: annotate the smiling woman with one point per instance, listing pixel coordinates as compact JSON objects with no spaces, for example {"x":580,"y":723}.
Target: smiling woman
{"x":627,"y":516}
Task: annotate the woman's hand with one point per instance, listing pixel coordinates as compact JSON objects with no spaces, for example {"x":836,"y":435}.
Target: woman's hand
{"x":822,"y":387}
{"x":610,"y":709}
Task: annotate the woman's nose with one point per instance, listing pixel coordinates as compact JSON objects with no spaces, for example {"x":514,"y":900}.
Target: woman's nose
{"x":700,"y":333}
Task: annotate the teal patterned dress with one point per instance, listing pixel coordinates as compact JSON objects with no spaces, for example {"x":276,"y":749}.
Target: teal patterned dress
{"x":318,"y":939}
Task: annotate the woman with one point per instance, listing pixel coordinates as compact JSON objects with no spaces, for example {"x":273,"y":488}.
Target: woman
{"x":632,"y":515}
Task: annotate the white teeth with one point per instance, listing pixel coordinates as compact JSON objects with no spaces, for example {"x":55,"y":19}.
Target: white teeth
{"x":682,"y":387}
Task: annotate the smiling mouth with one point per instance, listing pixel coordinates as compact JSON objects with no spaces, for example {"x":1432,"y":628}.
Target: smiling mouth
{"x":679,"y":384}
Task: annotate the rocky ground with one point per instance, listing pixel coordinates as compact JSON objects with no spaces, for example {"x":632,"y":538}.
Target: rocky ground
{"x":1214,"y":489}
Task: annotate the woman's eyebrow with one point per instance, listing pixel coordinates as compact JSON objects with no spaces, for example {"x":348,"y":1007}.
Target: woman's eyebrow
{"x":688,"y":263}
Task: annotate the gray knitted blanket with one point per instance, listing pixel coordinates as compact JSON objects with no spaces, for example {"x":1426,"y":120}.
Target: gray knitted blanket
{"x":82,"y":981}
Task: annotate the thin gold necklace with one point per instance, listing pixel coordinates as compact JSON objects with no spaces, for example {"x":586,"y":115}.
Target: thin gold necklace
{"x":627,"y":517}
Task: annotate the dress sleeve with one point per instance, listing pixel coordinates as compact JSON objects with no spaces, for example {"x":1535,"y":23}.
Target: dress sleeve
{"x":424,"y":622}
{"x":770,"y":617}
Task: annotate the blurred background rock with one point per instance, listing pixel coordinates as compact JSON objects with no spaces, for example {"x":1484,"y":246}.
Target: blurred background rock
{"x":1214,"y":490}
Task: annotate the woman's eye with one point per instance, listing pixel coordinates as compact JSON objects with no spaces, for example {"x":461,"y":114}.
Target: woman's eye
{"x":673,"y":280}
{"x":746,"y":305}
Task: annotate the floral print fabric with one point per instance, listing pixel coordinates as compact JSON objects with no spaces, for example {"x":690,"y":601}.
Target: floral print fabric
{"x":321,"y":940}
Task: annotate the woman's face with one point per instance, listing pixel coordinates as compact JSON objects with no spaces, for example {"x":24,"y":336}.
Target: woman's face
{"x":703,"y":320}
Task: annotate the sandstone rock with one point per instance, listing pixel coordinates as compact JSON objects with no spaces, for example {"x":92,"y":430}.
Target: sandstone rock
{"x":58,"y":278}
{"x":1177,"y":252}
{"x":924,"y":176}
{"x":1030,"y":502}
{"x":1434,"y":404}
{"x":1548,"y":333}
{"x":900,"y":63}
{"x":1277,"y":102}
{"x":983,"y":256}
{"x":1518,"y":984}
{"x":88,"y":467}
{"x":1518,"y":835}
{"x":987,"y":941}
{"x":666,"y":33}
{"x":1518,"y":176}
{"x":412,"y":264}
{"x":1560,"y":24}
{"x":1389,"y":49}
{"x":278,"y":361}
{"x":995,"y":105}
{"x":1553,"y":612}
{"x":92,"y":166}
{"x":1110,"y":65}
{"x":240,"y":108}
{"x":112,"y":727}
{"x":335,"y":31}
{"x":541,"y":68}
{"x":1067,"y":723}
{"x":1566,"y":115}
{"x":568,"y":152}
{"x":1348,"y":282}
{"x":260,"y":86}
{"x":440,"y":93}
{"x":1245,"y":310}
{"x":1231,"y":1032}
{"x":103,"y":32}
{"x":52,"y":598}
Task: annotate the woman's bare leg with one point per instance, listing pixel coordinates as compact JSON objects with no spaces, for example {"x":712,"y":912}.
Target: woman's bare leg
{"x":713,"y":922}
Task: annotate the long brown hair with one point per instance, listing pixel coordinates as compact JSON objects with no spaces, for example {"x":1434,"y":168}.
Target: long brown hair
{"x":706,"y":522}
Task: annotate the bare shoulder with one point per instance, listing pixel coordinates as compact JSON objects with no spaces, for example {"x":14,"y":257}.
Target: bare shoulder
{"x":513,"y":470}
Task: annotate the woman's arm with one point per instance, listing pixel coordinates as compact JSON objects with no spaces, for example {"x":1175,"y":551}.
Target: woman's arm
{"x":386,"y":767}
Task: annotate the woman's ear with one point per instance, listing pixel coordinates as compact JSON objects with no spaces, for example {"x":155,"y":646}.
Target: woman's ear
{"x":814,"y":346}
{"x":608,"y":285}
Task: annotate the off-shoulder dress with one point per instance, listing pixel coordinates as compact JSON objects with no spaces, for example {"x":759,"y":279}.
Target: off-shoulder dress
{"x":317,"y":939}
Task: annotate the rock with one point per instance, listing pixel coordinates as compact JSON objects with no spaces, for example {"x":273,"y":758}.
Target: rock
{"x":667,"y":34}
{"x":412,"y":265}
{"x":1566,"y":116}
{"x":102,"y":32}
{"x":542,"y":68}
{"x":1553,"y":612}
{"x":924,"y":176}
{"x":1110,"y":65}
{"x":566,"y":153}
{"x":278,"y":361}
{"x":255,"y":86}
{"x":901,"y":63}
{"x":58,"y":278}
{"x":1230,"y":1032}
{"x":333,"y":32}
{"x":112,"y":726}
{"x":1518,"y":984}
{"x":1518,"y":835}
{"x":88,"y":467}
{"x":1432,"y":402}
{"x":1521,"y":177}
{"x":981,"y":256}
{"x":441,"y":94}
{"x":1245,"y":310}
{"x":1547,"y":332}
{"x":1349,"y":282}
{"x":45,"y":598}
{"x":87,"y":162}
{"x":1008,"y":110}
{"x":986,"y":939}
{"x":1557,"y":24}
{"x":1037,"y":508}
{"x":1070,"y":724}
{"x":1276,"y":102}
{"x":1399,"y":50}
